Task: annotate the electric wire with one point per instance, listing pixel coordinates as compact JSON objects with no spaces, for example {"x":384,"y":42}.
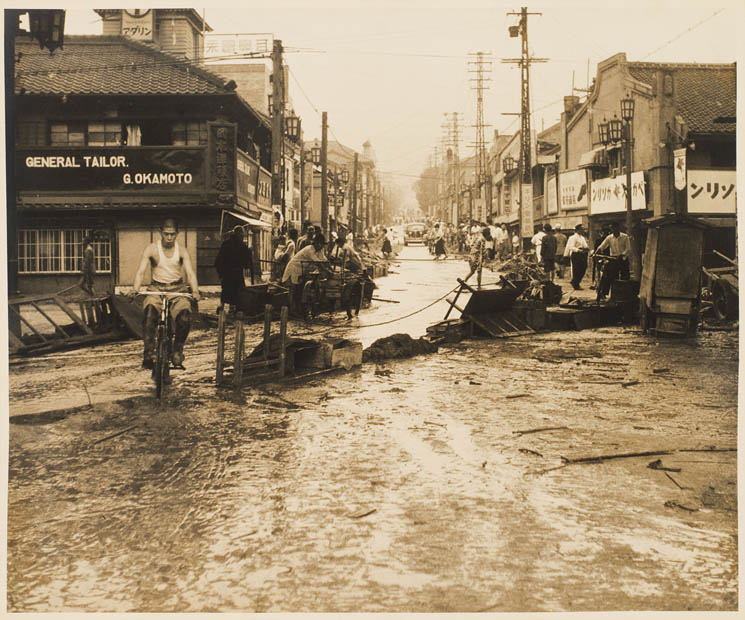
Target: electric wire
{"x":690,"y":29}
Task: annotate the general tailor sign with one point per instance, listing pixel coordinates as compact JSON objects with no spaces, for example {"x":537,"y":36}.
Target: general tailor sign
{"x":609,"y":195}
{"x":99,"y":169}
{"x":712,"y":191}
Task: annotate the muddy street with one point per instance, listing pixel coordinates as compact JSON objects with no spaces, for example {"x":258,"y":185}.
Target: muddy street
{"x":438,"y":483}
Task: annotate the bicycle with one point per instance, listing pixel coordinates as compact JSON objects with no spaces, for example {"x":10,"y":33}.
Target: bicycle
{"x":164,"y":337}
{"x":603,"y":261}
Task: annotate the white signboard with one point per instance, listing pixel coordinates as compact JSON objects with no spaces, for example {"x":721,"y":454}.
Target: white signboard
{"x":244,"y":45}
{"x":712,"y":191}
{"x":138,"y":24}
{"x":552,"y":207}
{"x":573,"y":189}
{"x":526,"y":210}
{"x":680,"y":168}
{"x":609,"y":195}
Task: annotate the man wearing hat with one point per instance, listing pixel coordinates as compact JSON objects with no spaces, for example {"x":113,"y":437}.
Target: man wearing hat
{"x":232,"y":259}
{"x":577,"y":249}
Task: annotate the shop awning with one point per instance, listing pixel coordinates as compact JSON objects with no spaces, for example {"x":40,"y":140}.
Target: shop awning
{"x":250,"y":221}
{"x":595,"y":157}
{"x":546,"y":160}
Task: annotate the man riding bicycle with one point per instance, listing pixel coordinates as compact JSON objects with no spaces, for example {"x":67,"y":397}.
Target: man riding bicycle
{"x":171,"y":270}
{"x":618,"y":245}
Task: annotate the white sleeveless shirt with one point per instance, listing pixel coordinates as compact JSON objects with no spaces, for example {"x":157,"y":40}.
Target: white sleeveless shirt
{"x":168,"y":270}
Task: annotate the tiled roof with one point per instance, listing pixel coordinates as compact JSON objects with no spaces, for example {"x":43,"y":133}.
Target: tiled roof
{"x":109,"y":65}
{"x":704,"y":93}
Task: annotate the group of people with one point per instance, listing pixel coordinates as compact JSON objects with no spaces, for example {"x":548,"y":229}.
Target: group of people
{"x":554,"y":252}
{"x":461,"y":239}
{"x":171,"y":268}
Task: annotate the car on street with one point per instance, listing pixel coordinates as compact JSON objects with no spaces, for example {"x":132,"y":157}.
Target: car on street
{"x":414,"y":233}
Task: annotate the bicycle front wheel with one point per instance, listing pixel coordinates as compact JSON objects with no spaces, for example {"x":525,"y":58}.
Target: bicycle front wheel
{"x":160,"y":371}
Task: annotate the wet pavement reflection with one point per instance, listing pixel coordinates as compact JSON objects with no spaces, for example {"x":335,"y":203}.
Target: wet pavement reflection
{"x":415,"y":490}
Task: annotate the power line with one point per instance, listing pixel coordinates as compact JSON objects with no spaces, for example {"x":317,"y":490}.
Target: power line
{"x":696,"y":25}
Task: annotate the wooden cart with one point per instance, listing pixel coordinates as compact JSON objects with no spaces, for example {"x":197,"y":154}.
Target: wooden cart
{"x":670,"y":290}
{"x":328,"y":287}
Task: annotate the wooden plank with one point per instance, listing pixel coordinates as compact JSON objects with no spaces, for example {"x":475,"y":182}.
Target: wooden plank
{"x":452,"y":304}
{"x":238,"y":352}
{"x":67,"y":310}
{"x":282,"y":341}
{"x":15,"y":341}
{"x":267,"y":329}
{"x":727,"y":258}
{"x":49,"y":318}
{"x":31,"y":327}
{"x":220,"y":362}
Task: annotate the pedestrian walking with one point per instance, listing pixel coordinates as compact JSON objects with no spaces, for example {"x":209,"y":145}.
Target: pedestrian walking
{"x":440,"y":242}
{"x":387,"y":247}
{"x":560,"y":260}
{"x":515,"y":243}
{"x":548,"y":251}
{"x":536,"y":243}
{"x":88,"y":268}
{"x":576,"y":250}
{"x":233,"y":258}
{"x":478,"y":255}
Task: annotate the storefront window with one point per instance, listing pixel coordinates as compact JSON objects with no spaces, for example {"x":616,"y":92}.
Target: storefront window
{"x":59,"y":251}
{"x":68,"y":134}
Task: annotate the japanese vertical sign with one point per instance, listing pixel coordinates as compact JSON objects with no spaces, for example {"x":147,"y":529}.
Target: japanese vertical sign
{"x":712,"y":191}
{"x":679,"y":156}
{"x":609,"y":195}
{"x":222,"y":158}
{"x":526,"y":210}
{"x":552,"y":206}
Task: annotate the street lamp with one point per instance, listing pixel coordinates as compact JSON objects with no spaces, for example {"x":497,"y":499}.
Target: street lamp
{"x":292,"y":127}
{"x":345,"y":176}
{"x":509,"y":163}
{"x":619,"y":131}
{"x":603,"y":133}
{"x":315,"y":154}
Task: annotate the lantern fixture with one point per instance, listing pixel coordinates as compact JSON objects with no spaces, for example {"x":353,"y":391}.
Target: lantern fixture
{"x":627,"y":109}
{"x":615,"y":127}
{"x":47,"y":26}
{"x":292,"y":127}
{"x":345,"y":176}
{"x":603,"y":133}
{"x":270,"y":100}
{"x":514,"y":31}
{"x":358,"y":187}
{"x":509,"y":163}
{"x":316,"y":154}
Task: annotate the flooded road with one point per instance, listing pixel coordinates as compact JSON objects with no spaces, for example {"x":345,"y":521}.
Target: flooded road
{"x":423,"y":485}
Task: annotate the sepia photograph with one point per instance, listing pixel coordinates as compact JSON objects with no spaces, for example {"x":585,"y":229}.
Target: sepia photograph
{"x":413,"y":306}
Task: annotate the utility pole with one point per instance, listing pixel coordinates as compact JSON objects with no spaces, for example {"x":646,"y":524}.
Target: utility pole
{"x":480,"y":66}
{"x":324,"y":175}
{"x":525,"y":221}
{"x":354,"y":195}
{"x":452,"y":140}
{"x":278,"y":108}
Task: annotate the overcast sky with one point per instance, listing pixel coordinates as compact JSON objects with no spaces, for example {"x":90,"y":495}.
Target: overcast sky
{"x":388,"y":71}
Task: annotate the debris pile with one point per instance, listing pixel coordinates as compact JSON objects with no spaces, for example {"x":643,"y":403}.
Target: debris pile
{"x":518,"y":267}
{"x":397,"y":346}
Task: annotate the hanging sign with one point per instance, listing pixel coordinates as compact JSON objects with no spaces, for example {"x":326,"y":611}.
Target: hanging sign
{"x":680,"y":168}
{"x":526,"y":210}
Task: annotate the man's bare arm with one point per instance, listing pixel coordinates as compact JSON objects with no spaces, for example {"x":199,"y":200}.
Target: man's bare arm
{"x":191,"y":276}
{"x":144,"y":262}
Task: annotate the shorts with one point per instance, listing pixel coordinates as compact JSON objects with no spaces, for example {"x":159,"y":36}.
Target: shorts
{"x":177,"y":306}
{"x":548,"y":264}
